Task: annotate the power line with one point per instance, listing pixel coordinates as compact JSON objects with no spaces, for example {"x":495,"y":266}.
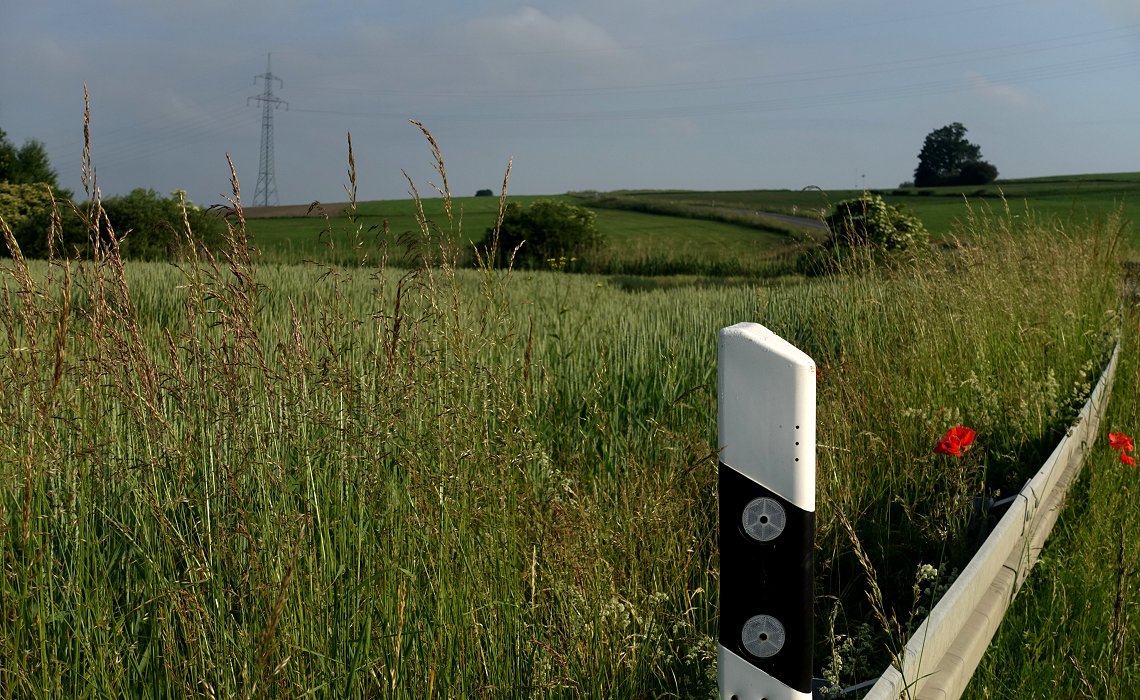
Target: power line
{"x":266,"y":182}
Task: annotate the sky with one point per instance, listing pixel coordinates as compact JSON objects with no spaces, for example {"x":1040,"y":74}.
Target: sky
{"x":588,"y":95}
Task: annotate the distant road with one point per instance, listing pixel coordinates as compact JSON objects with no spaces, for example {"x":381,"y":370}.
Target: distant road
{"x":801,"y":221}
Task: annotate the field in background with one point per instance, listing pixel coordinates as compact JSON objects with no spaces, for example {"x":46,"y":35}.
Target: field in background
{"x":1074,"y":199}
{"x":639,"y":243}
{"x":655,"y":233}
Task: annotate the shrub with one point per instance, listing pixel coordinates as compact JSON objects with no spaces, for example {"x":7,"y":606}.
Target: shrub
{"x":27,"y":210}
{"x":867,"y":224}
{"x":870,"y":220}
{"x":546,"y":230}
{"x":18,"y":202}
{"x":150,"y":226}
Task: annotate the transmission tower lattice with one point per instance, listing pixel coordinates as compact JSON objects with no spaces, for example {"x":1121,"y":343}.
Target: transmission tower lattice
{"x":266,"y":192}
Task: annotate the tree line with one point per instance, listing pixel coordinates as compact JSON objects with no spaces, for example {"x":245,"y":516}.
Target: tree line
{"x":147,"y":225}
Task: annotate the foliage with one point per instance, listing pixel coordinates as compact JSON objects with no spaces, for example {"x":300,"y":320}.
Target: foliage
{"x":29,"y":211}
{"x":947,"y":158}
{"x":864,"y":225}
{"x":151,"y":227}
{"x":29,"y":194}
{"x":147,"y":225}
{"x":26,"y":165}
{"x":869,"y":220}
{"x":19,"y":202}
{"x":545,"y":230}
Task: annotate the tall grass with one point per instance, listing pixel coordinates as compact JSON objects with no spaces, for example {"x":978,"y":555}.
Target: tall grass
{"x":232,"y":479}
{"x":1073,"y":630}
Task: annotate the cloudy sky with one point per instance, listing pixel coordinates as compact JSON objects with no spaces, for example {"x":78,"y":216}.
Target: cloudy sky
{"x":596,"y":94}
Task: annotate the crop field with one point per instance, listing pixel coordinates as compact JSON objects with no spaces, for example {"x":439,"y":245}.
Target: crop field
{"x":1074,"y":200}
{"x":712,"y":234}
{"x":387,"y":473}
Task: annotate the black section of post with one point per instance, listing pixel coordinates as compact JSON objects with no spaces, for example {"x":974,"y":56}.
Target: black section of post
{"x":774,"y":578}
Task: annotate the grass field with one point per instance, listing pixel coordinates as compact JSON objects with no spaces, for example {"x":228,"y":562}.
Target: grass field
{"x":1073,"y":199}
{"x":253,"y":478}
{"x":698,"y":233}
{"x":639,"y":243}
{"x":334,"y":459}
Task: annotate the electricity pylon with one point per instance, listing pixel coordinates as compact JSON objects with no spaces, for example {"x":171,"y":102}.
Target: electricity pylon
{"x":266,"y":183}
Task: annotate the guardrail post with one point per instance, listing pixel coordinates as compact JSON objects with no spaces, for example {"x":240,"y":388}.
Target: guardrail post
{"x":766,"y":424}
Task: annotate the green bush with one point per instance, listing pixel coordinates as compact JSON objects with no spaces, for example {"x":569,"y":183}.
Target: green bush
{"x":18,"y":202}
{"x":27,"y":210}
{"x":866,"y":225}
{"x":548,"y":233}
{"x":869,"y":220}
{"x":150,"y":226}
{"x":147,"y":225}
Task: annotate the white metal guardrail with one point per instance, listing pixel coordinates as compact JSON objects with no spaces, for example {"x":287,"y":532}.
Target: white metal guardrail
{"x":940,"y":658}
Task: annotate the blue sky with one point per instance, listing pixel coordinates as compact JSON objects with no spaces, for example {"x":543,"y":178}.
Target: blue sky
{"x":598,"y":94}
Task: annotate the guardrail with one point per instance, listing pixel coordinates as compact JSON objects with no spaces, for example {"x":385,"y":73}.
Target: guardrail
{"x":941,"y":656}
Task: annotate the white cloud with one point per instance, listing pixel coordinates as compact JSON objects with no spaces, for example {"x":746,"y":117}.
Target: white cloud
{"x":529,"y":29}
{"x":1008,"y":95}
{"x":529,"y":49}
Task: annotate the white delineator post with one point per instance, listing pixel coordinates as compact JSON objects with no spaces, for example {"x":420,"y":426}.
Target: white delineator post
{"x":766,"y":424}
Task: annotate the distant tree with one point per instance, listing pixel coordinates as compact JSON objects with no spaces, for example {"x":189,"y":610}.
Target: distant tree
{"x":29,"y":193}
{"x":147,"y":225}
{"x":947,"y":158}
{"x":548,"y":233}
{"x":150,"y":226}
{"x":978,"y":172}
{"x":26,"y":165}
{"x":484,"y":193}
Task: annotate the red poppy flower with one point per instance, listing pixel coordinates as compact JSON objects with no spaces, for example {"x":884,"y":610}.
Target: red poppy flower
{"x":1120,"y":441}
{"x":1127,"y":460}
{"x":955,"y":441}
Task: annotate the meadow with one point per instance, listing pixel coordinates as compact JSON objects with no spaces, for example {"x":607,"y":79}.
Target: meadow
{"x":390,"y":474}
{"x":1073,"y":200}
{"x":713,"y":234}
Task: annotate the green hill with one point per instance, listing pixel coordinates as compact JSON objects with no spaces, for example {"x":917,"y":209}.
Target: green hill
{"x":660,"y":232}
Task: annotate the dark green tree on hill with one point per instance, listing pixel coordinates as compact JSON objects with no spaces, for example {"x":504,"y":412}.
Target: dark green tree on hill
{"x":947,"y":158}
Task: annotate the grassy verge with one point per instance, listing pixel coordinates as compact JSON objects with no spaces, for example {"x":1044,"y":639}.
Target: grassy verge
{"x":1073,"y":630}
